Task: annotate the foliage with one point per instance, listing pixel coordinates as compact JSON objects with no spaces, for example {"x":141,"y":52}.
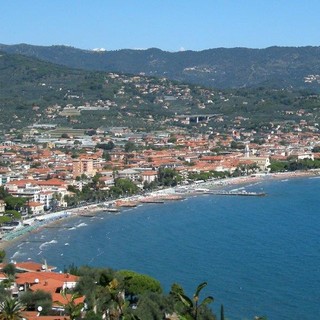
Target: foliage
{"x":124,"y":187}
{"x":294,"y":165}
{"x":194,"y":307}
{"x":14,"y":214}
{"x":32,"y":300}
{"x":232,"y":68}
{"x":136,"y":284}
{"x":129,"y":147}
{"x":72,"y":308}
{"x":3,"y":193}
{"x":2,"y":255}
{"x":152,"y":305}
{"x":11,"y":309}
{"x":168,"y":177}
{"x":14,"y":203}
{"x":105,"y":146}
{"x":9,"y":269}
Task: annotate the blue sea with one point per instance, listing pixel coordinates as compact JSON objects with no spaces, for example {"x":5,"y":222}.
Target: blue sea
{"x":259,"y":255}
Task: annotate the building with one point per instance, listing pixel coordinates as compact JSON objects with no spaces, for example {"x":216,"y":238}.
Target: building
{"x":149,"y":176}
{"x":2,"y":206}
{"x":82,"y":166}
{"x":36,"y":208}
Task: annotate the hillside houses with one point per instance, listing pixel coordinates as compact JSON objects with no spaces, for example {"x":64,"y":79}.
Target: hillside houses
{"x":33,"y":277}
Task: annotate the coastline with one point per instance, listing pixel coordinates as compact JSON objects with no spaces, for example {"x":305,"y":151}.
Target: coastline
{"x":39,"y":222}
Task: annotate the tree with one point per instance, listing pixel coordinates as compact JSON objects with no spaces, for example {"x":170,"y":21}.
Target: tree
{"x":136,"y":284}
{"x":117,"y":304}
{"x":193,"y":305}
{"x":33,"y":300}
{"x":9,"y":269}
{"x":106,"y":146}
{"x":168,"y":177}
{"x":129,"y":146}
{"x":2,"y":255}
{"x":10,"y":309}
{"x":106,"y":156}
{"x":72,"y":307}
{"x":14,"y":203}
{"x":126,"y":186}
{"x":3,"y":193}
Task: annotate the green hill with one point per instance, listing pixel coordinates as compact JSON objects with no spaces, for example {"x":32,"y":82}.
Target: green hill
{"x":280,"y":67}
{"x":38,"y":92}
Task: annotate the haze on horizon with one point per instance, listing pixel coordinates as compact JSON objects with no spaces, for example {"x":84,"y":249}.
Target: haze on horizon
{"x":167,"y":25}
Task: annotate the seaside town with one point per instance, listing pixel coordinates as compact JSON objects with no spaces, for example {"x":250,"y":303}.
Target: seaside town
{"x":58,"y":166}
{"x":45,"y":181}
{"x":58,"y":173}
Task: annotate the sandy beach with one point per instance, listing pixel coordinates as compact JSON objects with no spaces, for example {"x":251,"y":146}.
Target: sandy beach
{"x":35,"y":223}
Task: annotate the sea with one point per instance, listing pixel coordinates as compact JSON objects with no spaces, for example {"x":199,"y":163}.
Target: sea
{"x":259,"y":255}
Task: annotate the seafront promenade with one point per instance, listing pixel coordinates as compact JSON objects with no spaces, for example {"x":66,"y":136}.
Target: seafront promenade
{"x":158,"y":196}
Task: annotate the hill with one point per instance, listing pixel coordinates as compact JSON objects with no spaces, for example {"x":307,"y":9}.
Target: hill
{"x":38,"y":92}
{"x":276,"y":67}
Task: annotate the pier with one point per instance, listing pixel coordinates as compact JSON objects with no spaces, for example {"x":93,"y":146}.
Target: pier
{"x":236,"y":193}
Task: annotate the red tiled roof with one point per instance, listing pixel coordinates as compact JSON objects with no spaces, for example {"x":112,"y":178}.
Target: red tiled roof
{"x":33,"y":315}
{"x":32,"y":266}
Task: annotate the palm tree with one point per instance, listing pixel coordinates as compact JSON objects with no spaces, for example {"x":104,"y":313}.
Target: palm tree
{"x":72,"y":308}
{"x":193,"y":304}
{"x":10,"y":309}
{"x":117,"y":303}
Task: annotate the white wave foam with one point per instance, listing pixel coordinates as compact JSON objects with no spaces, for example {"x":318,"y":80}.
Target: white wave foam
{"x":81,"y":225}
{"x":17,"y":253}
{"x":47,"y":243}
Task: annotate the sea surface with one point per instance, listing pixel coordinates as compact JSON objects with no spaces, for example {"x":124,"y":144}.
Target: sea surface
{"x":259,"y":255}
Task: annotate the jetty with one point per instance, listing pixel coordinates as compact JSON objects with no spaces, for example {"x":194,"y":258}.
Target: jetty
{"x":236,"y":193}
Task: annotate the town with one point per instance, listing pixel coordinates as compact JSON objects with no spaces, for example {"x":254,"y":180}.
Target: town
{"x":49,"y":168}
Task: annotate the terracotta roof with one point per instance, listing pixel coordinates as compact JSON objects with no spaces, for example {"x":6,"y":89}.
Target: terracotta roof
{"x":49,"y":285}
{"x":30,"y":277}
{"x":32,"y":266}
{"x":149,"y":173}
{"x":35,"y":204}
{"x":33,"y":315}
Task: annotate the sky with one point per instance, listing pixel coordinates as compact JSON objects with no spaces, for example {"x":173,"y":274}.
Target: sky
{"x":170,"y":25}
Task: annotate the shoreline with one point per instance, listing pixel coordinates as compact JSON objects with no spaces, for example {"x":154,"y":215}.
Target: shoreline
{"x":40,"y":222}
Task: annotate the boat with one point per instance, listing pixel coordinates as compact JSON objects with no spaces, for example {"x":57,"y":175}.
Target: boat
{"x":111,"y":210}
{"x":151,"y":200}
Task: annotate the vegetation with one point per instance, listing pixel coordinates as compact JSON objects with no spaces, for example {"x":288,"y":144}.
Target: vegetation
{"x":113,"y":295}
{"x":294,"y":165}
{"x":34,"y":91}
{"x":10,"y":309}
{"x":281,"y":67}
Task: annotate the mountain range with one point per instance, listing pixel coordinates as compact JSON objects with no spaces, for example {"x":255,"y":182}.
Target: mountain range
{"x":273,"y":67}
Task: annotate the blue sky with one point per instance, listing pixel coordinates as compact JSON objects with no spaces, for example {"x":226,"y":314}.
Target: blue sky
{"x":170,"y":25}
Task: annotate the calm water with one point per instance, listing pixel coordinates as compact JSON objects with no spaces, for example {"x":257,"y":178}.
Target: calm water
{"x":259,"y":255}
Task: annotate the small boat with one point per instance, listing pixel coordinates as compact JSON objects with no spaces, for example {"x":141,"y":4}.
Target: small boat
{"x":111,"y":210}
{"x":151,"y":200}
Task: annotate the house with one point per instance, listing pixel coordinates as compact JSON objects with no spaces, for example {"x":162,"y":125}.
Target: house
{"x":149,"y":176}
{"x":43,"y":278}
{"x":30,"y":266}
{"x":130,"y":174}
{"x":2,"y":206}
{"x":36,"y":208}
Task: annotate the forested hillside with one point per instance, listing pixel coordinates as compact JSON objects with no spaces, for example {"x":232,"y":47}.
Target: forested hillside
{"x":276,"y":67}
{"x":34,"y":91}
